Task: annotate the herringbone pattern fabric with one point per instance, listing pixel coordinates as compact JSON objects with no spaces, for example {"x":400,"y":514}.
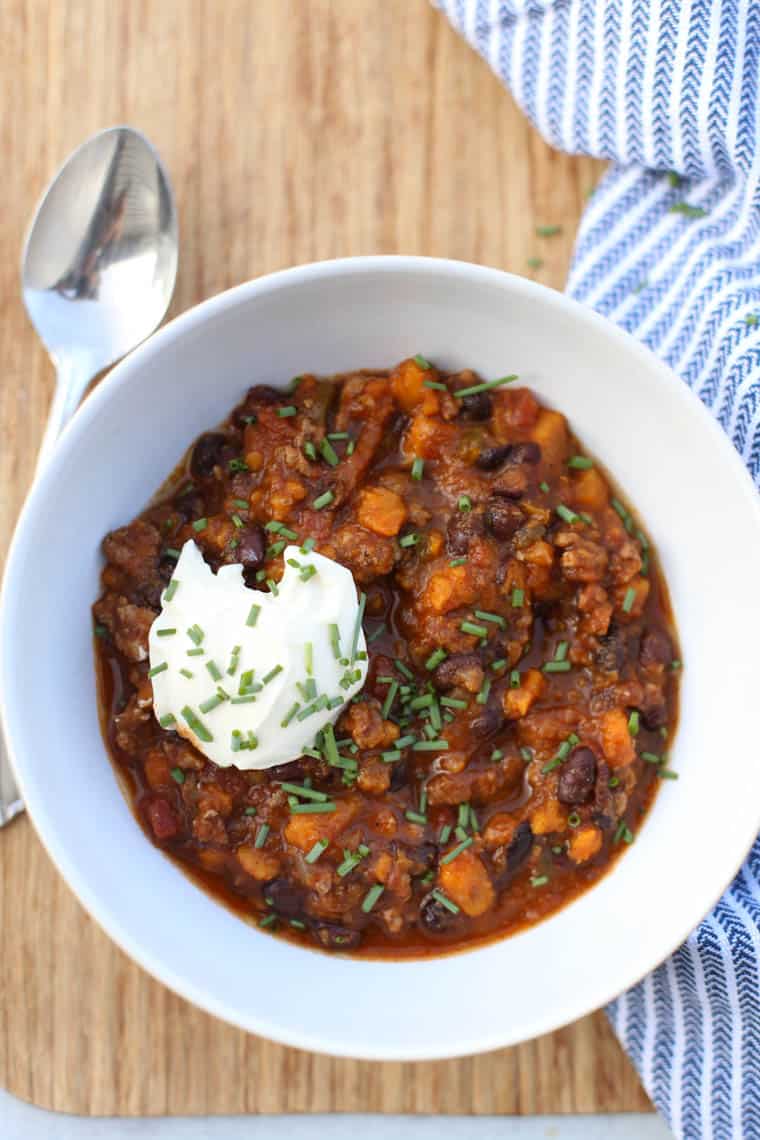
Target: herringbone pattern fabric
{"x":669,"y":248}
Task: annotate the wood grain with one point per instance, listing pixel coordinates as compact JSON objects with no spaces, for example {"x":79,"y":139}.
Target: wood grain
{"x":293,"y":130}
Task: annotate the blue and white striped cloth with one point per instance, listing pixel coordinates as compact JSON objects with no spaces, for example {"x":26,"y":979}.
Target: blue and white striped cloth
{"x":669,"y":248}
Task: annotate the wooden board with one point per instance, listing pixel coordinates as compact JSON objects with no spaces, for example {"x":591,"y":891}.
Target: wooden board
{"x":294,"y":130}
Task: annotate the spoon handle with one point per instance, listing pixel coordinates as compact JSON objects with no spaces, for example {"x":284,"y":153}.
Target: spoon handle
{"x":73,"y":376}
{"x":71,"y":382}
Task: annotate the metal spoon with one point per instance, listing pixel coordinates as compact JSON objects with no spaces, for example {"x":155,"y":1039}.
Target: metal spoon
{"x":98,"y":272}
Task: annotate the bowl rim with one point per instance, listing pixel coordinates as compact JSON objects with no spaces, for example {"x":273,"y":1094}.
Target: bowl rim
{"x":42,"y":819}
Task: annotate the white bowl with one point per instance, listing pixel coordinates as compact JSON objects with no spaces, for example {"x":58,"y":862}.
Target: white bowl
{"x":671,"y":460}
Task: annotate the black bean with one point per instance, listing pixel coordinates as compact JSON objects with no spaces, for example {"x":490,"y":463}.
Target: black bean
{"x":190,"y":504}
{"x":513,"y":453}
{"x":447,"y":673}
{"x":207,"y":454}
{"x":656,"y":648}
{"x":492,"y":457}
{"x":399,"y":775}
{"x":527,"y":452}
{"x":478,"y":406}
{"x":491,"y":720}
{"x":434,"y":916}
{"x":285,"y":897}
{"x":519,"y":849}
{"x":577,"y":777}
{"x":502,"y":518}
{"x":293,"y":772}
{"x":423,"y":858}
{"x":335,"y":937}
{"x":655,"y":715}
{"x":461,"y":528}
{"x":251,"y":546}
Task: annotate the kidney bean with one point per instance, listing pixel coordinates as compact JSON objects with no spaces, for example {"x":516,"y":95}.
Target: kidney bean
{"x":335,"y":937}
{"x":434,"y":916}
{"x":162,"y":818}
{"x":453,"y":670}
{"x":502,"y":518}
{"x":207,"y":454}
{"x":655,"y":715}
{"x":492,"y":457}
{"x":577,"y":777}
{"x":526,"y":452}
{"x":478,"y":406}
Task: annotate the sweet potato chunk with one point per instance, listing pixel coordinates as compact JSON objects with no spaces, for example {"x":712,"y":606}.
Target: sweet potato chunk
{"x":466,"y":882}
{"x":550,"y":433}
{"x":585,"y":844}
{"x":259,"y":864}
{"x":590,"y":492}
{"x":449,"y":589}
{"x":303,"y":831}
{"x":617,"y":744}
{"x":381,"y":511}
{"x":517,"y":702}
{"x":547,"y":818}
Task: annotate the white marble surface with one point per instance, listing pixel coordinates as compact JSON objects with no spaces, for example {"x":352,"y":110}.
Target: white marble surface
{"x":19,"y":1121}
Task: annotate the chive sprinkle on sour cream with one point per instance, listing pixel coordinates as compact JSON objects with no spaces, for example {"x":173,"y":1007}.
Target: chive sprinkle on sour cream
{"x":269,"y":670}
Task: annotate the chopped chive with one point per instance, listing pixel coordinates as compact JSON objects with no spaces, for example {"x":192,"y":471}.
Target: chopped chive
{"x":276,"y":548}
{"x":168,"y":720}
{"x":501,"y":663}
{"x":323,"y":500}
{"x":261,"y":835}
{"x":539,"y":880}
{"x":473,"y":629}
{"x":289,"y":715}
{"x":496,"y":619}
{"x":237,"y":521}
{"x":371,"y":897}
{"x":566,"y":514}
{"x":260,"y":575}
{"x":391,"y":756}
{"x":320,"y":846}
{"x":268,"y":920}
{"x":312,"y":809}
{"x":556,"y":667}
{"x":358,"y":625}
{"x":402,"y":668}
{"x":288,"y":410}
{"x":415,"y":817}
{"x":518,"y":597}
{"x":460,"y":847}
{"x":464,"y":503}
{"x":158,"y":669}
{"x":487,"y":386}
{"x":187,"y":673}
{"x":651,"y":757}
{"x":514,"y":679}
{"x":409,"y":540}
{"x":580,"y":462}
{"x":338,"y":435}
{"x":420,"y":361}
{"x":444,"y":834}
{"x":535,"y":262}
{"x":305,"y":793}
{"x":629,"y":599}
{"x":436,"y":384}
{"x":214,"y":670}
{"x":308,"y":545}
{"x":165,"y":632}
{"x":444,"y":900}
{"x":560,"y":653}
{"x":328,"y":452}
{"x":418,"y":468}
{"x":247,"y":699}
{"x":482,"y":696}
{"x":234,"y":659}
{"x":211,"y":704}
{"x":405,"y":741}
{"x":453,"y":703}
{"x":308,"y":658}
{"x":548,"y":231}
{"x":544,"y":486}
{"x":237,"y":465}
{"x":334,"y":640}
{"x":496,"y":755}
{"x":458,"y":561}
{"x":526,"y":754}
{"x":243,"y":504}
{"x":377,"y":632}
{"x":434,"y":660}
{"x":667,"y":774}
{"x":171,"y":589}
{"x":199,"y":525}
{"x":430,"y":745}
{"x":633,"y":722}
{"x":172,"y":552}
{"x":196,"y":724}
{"x":196,"y":634}
{"x":619,"y":509}
{"x":389,"y":699}
{"x":687,"y":210}
{"x":423,"y":702}
{"x":675,"y":665}
{"x":310,"y":450}
{"x":573,"y":820}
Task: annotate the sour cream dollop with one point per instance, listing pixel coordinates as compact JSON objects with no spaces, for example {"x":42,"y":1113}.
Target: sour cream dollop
{"x":250,"y":677}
